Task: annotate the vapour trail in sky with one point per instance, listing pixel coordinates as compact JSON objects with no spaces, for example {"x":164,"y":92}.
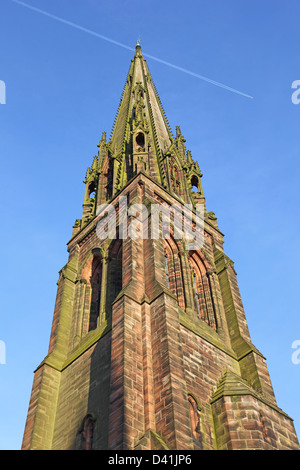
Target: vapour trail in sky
{"x":125,"y":46}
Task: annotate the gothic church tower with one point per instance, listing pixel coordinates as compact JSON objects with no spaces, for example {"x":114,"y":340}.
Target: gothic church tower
{"x":149,"y":346}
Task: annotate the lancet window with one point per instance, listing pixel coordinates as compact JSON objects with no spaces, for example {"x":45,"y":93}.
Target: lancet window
{"x":87,"y":433}
{"x":195,"y":419}
{"x":173,"y":270}
{"x":203,"y":294}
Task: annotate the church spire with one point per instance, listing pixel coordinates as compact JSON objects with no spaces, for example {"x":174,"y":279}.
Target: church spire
{"x":141,"y":141}
{"x":140,"y":131}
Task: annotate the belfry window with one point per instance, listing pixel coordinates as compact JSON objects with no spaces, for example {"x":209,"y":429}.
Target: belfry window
{"x":202,"y":284}
{"x":173,"y":271}
{"x":92,"y":190}
{"x":95,"y":286}
{"x":195,"y":184}
{"x":88,"y":294}
{"x":140,"y":140}
{"x":115,"y":271}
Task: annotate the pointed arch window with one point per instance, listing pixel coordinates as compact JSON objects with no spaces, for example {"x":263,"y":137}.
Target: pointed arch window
{"x":203,"y":292}
{"x":173,"y":270}
{"x":195,"y":419}
{"x":92,"y":190}
{"x":87,"y":433}
{"x":140,"y":140}
{"x":95,"y":288}
{"x":195,"y":184}
{"x":115,"y":275}
{"x":88,"y":295}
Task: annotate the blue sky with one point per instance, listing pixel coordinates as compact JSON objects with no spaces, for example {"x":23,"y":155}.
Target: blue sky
{"x":63,"y":87}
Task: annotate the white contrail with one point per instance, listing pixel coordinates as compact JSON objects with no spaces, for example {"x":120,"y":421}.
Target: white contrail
{"x":117,"y":43}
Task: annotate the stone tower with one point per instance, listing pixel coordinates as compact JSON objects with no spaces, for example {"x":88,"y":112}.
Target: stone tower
{"x":149,"y":346}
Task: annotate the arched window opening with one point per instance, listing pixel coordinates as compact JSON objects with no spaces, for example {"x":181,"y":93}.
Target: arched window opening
{"x":140,"y":140}
{"x":95,"y":285}
{"x":195,"y":184}
{"x":195,"y":419}
{"x":87,"y":433}
{"x":115,"y":278}
{"x":92,"y":190}
{"x":88,"y":294}
{"x":203,"y":296}
{"x":173,"y":271}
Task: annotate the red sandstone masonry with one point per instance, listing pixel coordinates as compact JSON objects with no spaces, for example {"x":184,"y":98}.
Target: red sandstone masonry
{"x":204,"y":365}
{"x":84,"y":388}
{"x":172,"y":417}
{"x":41,"y":414}
{"x":244,"y":423}
{"x":32,"y":410}
{"x":126,"y":396}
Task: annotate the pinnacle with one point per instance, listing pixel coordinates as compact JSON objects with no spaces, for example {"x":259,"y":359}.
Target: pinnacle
{"x":140,"y":106}
{"x":141,"y":138}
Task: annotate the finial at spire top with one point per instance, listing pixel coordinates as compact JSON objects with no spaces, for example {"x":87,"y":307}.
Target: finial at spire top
{"x":138,"y":43}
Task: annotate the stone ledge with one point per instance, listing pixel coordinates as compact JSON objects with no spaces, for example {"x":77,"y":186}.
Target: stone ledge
{"x":154,"y":438}
{"x":231,"y":385}
{"x":89,"y":340}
